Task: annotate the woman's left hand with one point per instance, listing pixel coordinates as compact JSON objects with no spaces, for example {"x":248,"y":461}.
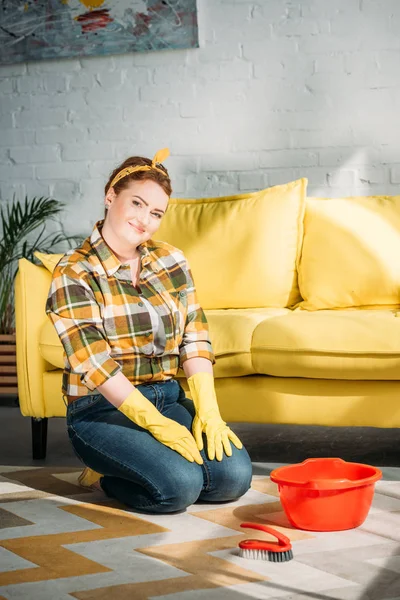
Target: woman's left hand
{"x":208,"y":419}
{"x":217,"y":432}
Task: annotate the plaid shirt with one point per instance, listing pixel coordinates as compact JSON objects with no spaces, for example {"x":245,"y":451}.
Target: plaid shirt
{"x":105,"y":325}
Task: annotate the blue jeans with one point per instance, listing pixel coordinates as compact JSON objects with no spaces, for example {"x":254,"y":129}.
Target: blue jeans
{"x":139,"y":470}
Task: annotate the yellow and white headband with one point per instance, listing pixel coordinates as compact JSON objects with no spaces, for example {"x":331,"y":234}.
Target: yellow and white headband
{"x":157,"y":159}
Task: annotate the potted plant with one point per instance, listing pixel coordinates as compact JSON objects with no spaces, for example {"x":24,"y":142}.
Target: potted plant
{"x":22,"y":230}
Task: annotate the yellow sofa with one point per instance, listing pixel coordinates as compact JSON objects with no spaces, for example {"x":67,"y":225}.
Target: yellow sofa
{"x":301,"y":295}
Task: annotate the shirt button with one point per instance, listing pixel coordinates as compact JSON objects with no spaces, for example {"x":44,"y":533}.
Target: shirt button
{"x":182,"y":294}
{"x":140,"y":304}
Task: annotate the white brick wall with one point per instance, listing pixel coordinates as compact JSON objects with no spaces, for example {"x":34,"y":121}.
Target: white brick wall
{"x":277,"y":90}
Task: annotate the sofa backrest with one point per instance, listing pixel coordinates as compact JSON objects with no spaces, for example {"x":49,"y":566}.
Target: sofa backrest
{"x":348,"y":256}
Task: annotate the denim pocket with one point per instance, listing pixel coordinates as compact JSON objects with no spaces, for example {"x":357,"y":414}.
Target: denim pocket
{"x":82,"y":403}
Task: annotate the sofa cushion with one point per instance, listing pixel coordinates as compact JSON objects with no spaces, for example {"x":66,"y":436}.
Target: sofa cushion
{"x":329,"y":344}
{"x":49,"y":261}
{"x":50,"y":345}
{"x":243,"y":250}
{"x":351,"y":252}
{"x":231,"y":333}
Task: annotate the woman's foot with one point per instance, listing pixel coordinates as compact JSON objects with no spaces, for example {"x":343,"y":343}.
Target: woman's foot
{"x":90,"y":479}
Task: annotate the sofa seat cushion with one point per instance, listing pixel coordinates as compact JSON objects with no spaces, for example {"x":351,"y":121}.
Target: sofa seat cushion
{"x":329,"y":344}
{"x":50,"y":346}
{"x":231,"y":333}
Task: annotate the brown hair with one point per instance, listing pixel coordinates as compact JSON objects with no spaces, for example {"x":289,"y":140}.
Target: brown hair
{"x":153,"y":175}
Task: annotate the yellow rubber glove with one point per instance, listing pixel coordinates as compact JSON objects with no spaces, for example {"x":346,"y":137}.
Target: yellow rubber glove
{"x":167,"y":431}
{"x":208,"y":418}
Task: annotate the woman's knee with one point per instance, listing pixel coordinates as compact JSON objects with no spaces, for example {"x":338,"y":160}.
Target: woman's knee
{"x":232,"y":478}
{"x":174,"y":492}
{"x":182,"y":488}
{"x":237,"y":480}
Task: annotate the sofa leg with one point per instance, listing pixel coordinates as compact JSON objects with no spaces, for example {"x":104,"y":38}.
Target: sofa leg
{"x":39,"y":437}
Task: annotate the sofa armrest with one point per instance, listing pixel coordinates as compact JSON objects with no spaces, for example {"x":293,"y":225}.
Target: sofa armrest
{"x":31,"y":287}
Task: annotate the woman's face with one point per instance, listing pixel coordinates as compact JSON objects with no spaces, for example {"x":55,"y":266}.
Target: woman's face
{"x":135,"y":214}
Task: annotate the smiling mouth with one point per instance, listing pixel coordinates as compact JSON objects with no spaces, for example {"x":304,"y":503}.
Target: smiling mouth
{"x":137,"y":228}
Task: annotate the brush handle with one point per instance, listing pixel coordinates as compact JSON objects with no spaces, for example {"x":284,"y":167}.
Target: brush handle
{"x":282,"y":539}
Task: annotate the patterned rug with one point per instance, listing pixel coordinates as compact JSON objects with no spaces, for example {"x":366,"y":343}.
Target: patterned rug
{"x":59,"y":541}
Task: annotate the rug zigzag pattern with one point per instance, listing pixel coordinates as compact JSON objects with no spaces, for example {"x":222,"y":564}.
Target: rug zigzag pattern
{"x":59,"y":541}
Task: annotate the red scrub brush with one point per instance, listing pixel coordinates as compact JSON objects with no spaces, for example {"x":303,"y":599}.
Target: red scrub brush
{"x":280,"y":551}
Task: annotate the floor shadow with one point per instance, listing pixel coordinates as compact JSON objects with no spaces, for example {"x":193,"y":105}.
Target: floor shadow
{"x":386,"y":586}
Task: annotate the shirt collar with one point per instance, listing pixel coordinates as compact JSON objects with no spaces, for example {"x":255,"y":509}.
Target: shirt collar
{"x":107,"y":257}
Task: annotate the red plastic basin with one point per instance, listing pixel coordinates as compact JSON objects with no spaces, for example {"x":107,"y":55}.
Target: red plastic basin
{"x":326,"y":494}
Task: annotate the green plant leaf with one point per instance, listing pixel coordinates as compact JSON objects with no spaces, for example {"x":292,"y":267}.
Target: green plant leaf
{"x":18,"y":220}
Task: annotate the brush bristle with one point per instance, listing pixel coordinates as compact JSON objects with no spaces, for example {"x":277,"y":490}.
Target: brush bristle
{"x":266,"y":555}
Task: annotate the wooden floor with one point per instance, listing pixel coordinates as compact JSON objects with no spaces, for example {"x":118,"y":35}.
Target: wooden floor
{"x":265,"y":443}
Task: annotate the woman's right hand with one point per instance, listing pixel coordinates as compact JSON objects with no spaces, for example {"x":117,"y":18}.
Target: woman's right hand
{"x":167,"y":431}
{"x":177,"y":437}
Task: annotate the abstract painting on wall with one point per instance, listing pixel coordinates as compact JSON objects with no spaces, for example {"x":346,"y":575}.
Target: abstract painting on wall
{"x":44,"y":29}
